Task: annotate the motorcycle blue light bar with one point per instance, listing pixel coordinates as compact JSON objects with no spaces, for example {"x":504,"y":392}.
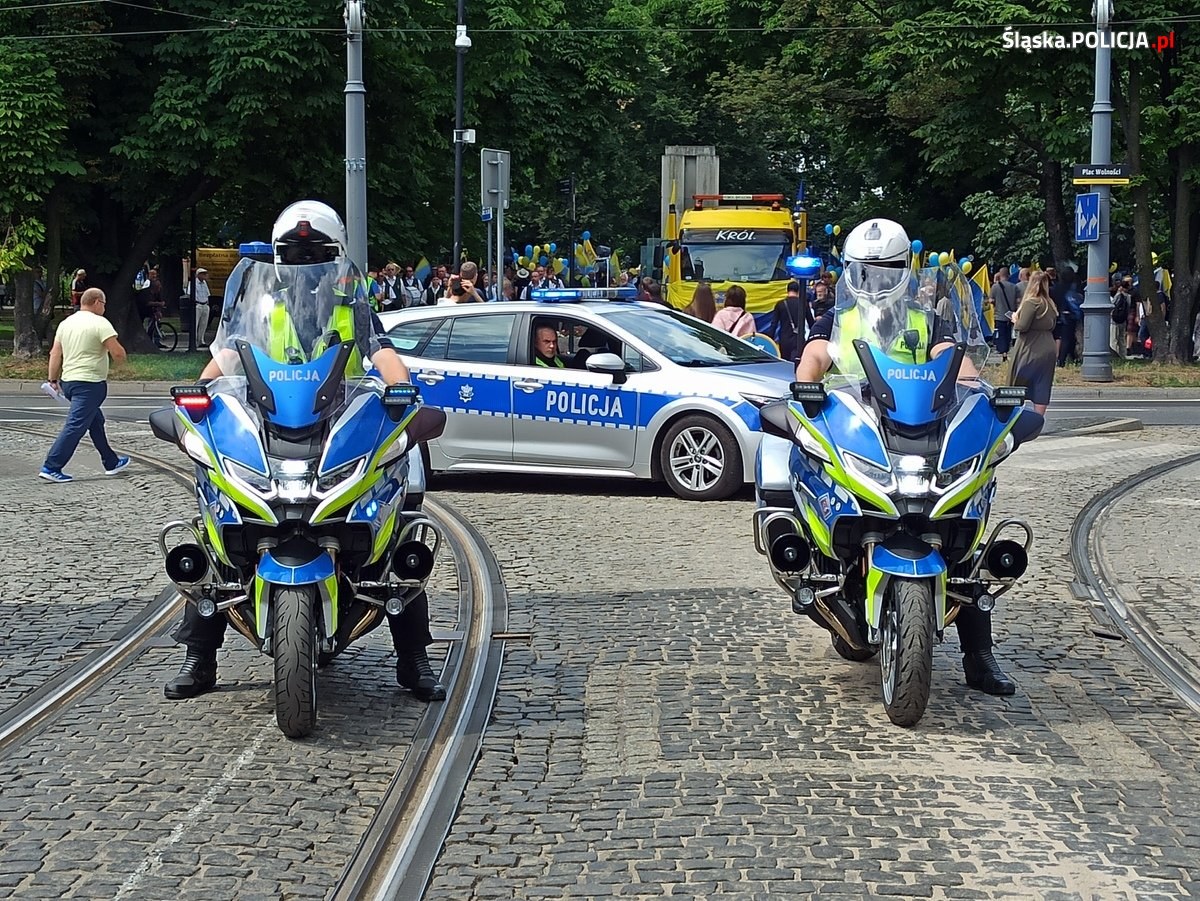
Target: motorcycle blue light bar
{"x":570,"y":295}
{"x":802,"y":266}
{"x":255,"y":248}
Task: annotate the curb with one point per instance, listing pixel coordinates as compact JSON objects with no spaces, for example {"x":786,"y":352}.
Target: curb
{"x":1111,"y":393}
{"x":1111,"y":427}
{"x":115,"y":388}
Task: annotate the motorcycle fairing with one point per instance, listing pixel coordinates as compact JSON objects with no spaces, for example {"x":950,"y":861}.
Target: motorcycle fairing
{"x":200,"y":446}
{"x":299,"y":405}
{"x":380,"y":507}
{"x":821,"y":500}
{"x":975,"y":429}
{"x":233,"y":434}
{"x":320,"y":571}
{"x":917,"y":389}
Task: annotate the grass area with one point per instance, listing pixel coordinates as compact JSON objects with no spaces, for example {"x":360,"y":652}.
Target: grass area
{"x":173,"y":367}
{"x":1126,"y":374}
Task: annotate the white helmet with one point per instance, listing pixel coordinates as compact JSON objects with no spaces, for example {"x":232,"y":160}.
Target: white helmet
{"x":306,"y":232}
{"x":876,"y":258}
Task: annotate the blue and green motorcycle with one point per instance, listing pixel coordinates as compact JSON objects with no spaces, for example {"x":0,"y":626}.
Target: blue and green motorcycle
{"x":874,"y":514}
{"x":308,"y":479}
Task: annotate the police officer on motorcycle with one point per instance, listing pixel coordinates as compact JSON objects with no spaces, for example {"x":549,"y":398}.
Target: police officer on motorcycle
{"x":305,"y":233}
{"x":884,"y":245}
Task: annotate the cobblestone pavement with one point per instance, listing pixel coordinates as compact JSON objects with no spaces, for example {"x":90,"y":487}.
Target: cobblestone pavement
{"x":672,"y":729}
{"x":129,"y":795}
{"x":1150,"y":542}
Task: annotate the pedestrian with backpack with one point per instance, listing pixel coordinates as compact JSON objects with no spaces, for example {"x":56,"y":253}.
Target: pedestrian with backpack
{"x":1004,"y":302}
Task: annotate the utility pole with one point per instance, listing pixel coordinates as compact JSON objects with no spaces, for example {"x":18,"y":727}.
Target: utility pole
{"x":462,"y":43}
{"x":1097,"y":362}
{"x":356,"y":137}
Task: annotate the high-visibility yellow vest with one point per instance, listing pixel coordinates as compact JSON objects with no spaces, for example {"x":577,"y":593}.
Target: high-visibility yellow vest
{"x":850,"y":328}
{"x":284,"y":336}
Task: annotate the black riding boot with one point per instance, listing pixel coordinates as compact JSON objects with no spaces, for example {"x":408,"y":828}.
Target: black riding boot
{"x":197,"y":675}
{"x":414,"y":672}
{"x":981,"y":669}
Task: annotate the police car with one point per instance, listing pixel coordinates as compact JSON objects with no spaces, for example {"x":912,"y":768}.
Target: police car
{"x":637,"y":390}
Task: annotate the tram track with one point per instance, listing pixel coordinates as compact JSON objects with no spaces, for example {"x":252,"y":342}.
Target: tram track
{"x":396,"y":854}
{"x":1096,"y":584}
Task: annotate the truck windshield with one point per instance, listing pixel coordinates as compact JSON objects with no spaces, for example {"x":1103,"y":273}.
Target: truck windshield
{"x":730,"y":262}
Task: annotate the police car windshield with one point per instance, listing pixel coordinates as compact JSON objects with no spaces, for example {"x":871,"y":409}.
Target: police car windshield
{"x":733,"y":262}
{"x":686,"y":341}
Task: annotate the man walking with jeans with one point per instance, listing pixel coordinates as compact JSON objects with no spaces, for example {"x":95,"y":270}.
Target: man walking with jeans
{"x":79,"y":369}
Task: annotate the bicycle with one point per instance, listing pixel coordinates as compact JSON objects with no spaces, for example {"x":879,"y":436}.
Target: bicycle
{"x":164,"y":335}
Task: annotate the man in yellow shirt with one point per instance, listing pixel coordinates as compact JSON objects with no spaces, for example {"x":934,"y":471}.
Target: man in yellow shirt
{"x":79,"y":369}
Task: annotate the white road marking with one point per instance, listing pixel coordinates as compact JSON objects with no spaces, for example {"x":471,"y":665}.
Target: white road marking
{"x":154,"y":858}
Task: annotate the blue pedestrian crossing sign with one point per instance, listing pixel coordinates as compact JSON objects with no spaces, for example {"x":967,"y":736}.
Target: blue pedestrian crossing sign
{"x":1087,"y":217}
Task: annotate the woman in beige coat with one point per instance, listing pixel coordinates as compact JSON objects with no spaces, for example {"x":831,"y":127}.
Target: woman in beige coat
{"x":1034,"y":355}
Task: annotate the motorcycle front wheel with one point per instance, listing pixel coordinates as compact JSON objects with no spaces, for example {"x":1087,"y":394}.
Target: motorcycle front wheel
{"x":906,"y":652}
{"x":295,"y":650}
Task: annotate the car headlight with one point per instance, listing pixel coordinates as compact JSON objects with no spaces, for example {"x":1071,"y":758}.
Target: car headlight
{"x":760,"y":400}
{"x":947,"y":477}
{"x":329,"y":480}
{"x":876,"y":473}
{"x":255,"y":480}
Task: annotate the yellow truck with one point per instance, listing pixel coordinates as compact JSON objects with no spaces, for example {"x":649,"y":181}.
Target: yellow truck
{"x":733,"y":239}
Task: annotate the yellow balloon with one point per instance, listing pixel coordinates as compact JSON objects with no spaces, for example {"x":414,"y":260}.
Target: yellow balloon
{"x":1153,"y":258}
{"x":943,"y":258}
{"x":545,"y":248}
{"x":833,"y":276}
{"x":837,"y":229}
{"x":967,"y":267}
{"x":1112,"y":267}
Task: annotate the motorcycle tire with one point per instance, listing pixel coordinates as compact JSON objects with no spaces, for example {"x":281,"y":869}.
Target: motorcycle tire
{"x":295,"y":649}
{"x":906,"y":652}
{"x":846,"y":652}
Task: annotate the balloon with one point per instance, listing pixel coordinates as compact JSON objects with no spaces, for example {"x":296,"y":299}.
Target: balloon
{"x":1112,"y":267}
{"x":528,"y":250}
{"x":917,"y":246}
{"x":943,"y":259}
{"x":586,"y":236}
{"x":837,"y":229}
{"x":828,"y":229}
{"x":1014,"y":270}
{"x":967,"y":266}
{"x":543,"y":259}
{"x":553,"y":248}
{"x":963,"y":262}
{"x":1153,"y":258}
{"x":546,"y":248}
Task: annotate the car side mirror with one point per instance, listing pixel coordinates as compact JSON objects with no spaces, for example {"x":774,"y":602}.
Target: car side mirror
{"x":608,"y":363}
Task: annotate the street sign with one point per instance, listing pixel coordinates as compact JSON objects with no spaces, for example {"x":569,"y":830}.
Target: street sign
{"x":485,"y":215}
{"x":1087,"y":217}
{"x":493,"y":179}
{"x":565,"y":186}
{"x":1107,"y":174}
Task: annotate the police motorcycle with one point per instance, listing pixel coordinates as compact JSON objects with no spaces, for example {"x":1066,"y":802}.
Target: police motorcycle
{"x":305,"y":536}
{"x":879,"y":536}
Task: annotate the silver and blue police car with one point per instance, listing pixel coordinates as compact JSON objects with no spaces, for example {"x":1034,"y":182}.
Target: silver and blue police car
{"x":636,"y":390}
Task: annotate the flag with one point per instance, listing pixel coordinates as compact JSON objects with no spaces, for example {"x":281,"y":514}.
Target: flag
{"x":589,"y":252}
{"x":669,"y":226}
{"x":422,"y":271}
{"x":614,"y":264}
{"x":980,"y":278}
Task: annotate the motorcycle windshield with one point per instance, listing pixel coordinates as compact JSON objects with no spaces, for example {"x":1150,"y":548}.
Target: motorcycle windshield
{"x":894,"y":337}
{"x":289,"y":314}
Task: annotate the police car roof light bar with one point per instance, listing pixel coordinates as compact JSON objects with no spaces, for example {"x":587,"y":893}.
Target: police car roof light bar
{"x":570,"y":295}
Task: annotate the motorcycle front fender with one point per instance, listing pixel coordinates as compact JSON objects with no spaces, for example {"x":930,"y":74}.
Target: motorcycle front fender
{"x":902,"y":556}
{"x":287,"y":570}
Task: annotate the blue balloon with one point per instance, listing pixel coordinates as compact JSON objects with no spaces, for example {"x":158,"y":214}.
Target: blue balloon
{"x":828,"y":228}
{"x":543,"y":259}
{"x":917,"y":246}
{"x":586,"y":236}
{"x":963,"y":262}
{"x":1014,"y":270}
{"x":528,"y":250}
{"x":553,"y":247}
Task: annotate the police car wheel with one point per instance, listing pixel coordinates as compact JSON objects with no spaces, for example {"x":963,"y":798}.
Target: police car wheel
{"x":700,"y":459}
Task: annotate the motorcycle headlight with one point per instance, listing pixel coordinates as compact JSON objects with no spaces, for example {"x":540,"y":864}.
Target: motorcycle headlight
{"x":255,"y":480}
{"x":947,"y":477}
{"x":330,"y":480}
{"x":865,"y":468}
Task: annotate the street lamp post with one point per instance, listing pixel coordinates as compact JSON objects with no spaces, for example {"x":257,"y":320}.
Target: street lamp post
{"x":356,"y":137}
{"x":462,"y":43}
{"x":1097,"y":361}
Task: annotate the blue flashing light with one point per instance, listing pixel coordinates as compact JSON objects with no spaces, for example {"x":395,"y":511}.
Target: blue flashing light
{"x":803,"y":266}
{"x":571,"y":295}
{"x":255,"y":248}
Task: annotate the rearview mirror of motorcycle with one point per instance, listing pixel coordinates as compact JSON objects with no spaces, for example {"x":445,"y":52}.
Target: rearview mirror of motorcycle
{"x":427,"y":423}
{"x":777,"y":421}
